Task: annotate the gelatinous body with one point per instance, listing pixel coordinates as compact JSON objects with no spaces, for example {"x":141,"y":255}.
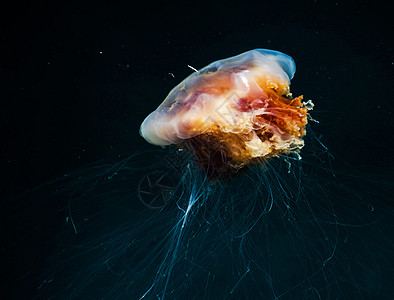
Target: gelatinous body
{"x":233,"y":112}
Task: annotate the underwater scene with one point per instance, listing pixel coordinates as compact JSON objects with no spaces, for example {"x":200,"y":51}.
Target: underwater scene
{"x":216,"y":151}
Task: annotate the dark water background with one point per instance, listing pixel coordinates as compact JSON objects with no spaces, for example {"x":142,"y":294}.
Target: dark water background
{"x":77,"y":79}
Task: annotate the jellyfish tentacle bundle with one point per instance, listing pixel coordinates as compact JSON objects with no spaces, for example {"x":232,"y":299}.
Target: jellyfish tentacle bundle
{"x":233,"y":112}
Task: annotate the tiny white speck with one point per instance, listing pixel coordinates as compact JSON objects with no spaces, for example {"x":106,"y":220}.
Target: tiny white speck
{"x":194,"y":69}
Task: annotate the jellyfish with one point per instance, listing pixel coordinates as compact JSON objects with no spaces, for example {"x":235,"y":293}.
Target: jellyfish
{"x":233,"y":113}
{"x":226,"y":208}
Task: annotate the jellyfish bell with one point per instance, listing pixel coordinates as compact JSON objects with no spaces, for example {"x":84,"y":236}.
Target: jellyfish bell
{"x":232,"y":113}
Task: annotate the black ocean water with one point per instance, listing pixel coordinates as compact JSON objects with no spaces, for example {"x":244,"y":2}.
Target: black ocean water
{"x":77,"y":80}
